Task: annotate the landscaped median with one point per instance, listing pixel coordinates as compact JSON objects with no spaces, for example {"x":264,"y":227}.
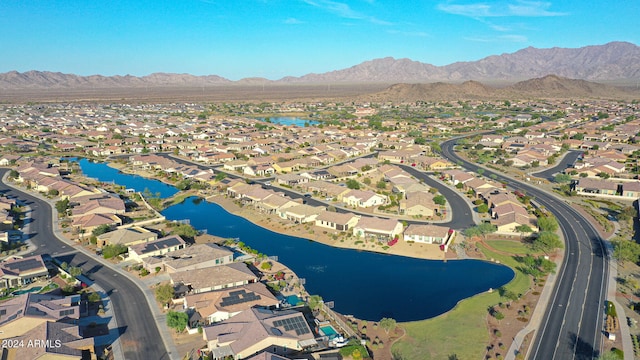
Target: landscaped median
{"x":465,"y":331}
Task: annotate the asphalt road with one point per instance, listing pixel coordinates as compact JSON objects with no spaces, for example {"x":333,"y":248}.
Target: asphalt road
{"x":573,"y":323}
{"x":569,"y":159}
{"x":139,"y":335}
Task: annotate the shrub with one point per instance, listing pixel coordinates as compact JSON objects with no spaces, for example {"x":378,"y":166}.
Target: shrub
{"x":93,"y":297}
{"x":177,"y":320}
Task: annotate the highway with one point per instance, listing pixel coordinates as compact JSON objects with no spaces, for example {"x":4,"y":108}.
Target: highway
{"x":572,"y":327}
{"x":138,"y":332}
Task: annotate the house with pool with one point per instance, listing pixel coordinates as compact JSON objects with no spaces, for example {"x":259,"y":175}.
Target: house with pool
{"x":282,"y":332}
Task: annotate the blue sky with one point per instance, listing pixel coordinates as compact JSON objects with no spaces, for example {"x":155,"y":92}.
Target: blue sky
{"x":276,"y":38}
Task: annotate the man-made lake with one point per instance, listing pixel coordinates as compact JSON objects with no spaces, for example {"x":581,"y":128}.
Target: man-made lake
{"x":367,"y":285}
{"x":290,"y":121}
{"x":104,"y":173}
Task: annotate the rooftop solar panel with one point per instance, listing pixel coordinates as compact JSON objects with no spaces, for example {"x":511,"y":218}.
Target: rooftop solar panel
{"x":23,"y":265}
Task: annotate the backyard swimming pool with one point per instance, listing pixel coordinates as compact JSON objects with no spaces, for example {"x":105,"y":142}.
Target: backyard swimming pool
{"x":329,"y":331}
{"x":33,"y":289}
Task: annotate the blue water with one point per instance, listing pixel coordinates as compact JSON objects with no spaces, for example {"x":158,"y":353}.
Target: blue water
{"x":104,"y":173}
{"x":367,"y":285}
{"x":33,"y":289}
{"x":293,"y":300}
{"x":329,"y":331}
{"x":291,"y":121}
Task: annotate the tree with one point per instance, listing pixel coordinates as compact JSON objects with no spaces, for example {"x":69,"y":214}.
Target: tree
{"x":93,"y":297}
{"x":388,"y":324}
{"x":315,"y":301}
{"x":75,"y":271}
{"x":367,"y":181}
{"x":64,"y":266}
{"x":562,"y":178}
{"x":546,"y":241}
{"x":480,"y":230}
{"x":628,"y":213}
{"x":177,"y":320}
{"x":13,"y":174}
{"x":183,"y":185}
{"x":524,"y":229}
{"x":164,"y":293}
{"x":480,"y":171}
{"x":184,"y":230}
{"x":483,"y":208}
{"x":626,"y":250}
{"x":508,"y":294}
{"x":101,"y":230}
{"x":547,"y":223}
{"x":381,"y":184}
{"x":62,"y":206}
{"x":53,"y":192}
{"x":110,"y":251}
{"x":610,"y":355}
{"x":353,"y":184}
{"x":439,"y":200}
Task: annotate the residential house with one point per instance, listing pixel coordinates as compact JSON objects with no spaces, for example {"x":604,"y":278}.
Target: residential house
{"x":51,"y":340}
{"x":275,"y":203}
{"x":509,"y":217}
{"x":427,"y":234}
{"x":587,"y":186}
{"x":190,"y":258}
{"x":631,"y":189}
{"x":15,"y":272}
{"x":104,"y":204}
{"x":214,"y":277}
{"x":156,"y":247}
{"x":457,"y":176}
{"x":291,"y":179}
{"x":419,"y":203}
{"x":336,"y":221}
{"x":377,"y":228}
{"x":23,"y":313}
{"x":256,"y":329}
{"x":127,"y":237}
{"x":219,"y":305}
{"x":364,"y":198}
{"x":89,"y":222}
{"x":301,"y":213}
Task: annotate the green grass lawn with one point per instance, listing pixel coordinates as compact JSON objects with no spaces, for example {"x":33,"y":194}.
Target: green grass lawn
{"x":510,"y":246}
{"x":463,"y":330}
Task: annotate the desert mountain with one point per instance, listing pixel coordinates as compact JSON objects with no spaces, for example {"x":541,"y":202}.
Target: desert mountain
{"x":46,"y":79}
{"x":550,"y":86}
{"x":612,"y":62}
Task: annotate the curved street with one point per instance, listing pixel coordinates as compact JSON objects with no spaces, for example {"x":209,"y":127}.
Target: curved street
{"x":138,"y":333}
{"x":572,"y":325}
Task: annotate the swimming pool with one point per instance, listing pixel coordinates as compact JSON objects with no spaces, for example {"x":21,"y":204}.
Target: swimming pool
{"x":33,"y":289}
{"x":329,"y":331}
{"x":293,"y":300}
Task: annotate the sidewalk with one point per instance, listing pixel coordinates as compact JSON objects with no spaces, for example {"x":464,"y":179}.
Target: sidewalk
{"x":159,"y":317}
{"x":539,"y":311}
{"x":541,"y":307}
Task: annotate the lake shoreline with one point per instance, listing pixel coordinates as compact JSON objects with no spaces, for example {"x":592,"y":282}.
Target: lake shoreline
{"x":311,"y":232}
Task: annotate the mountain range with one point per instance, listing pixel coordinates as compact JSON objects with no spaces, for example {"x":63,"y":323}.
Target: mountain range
{"x":550,"y":86}
{"x":615,"y":62}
